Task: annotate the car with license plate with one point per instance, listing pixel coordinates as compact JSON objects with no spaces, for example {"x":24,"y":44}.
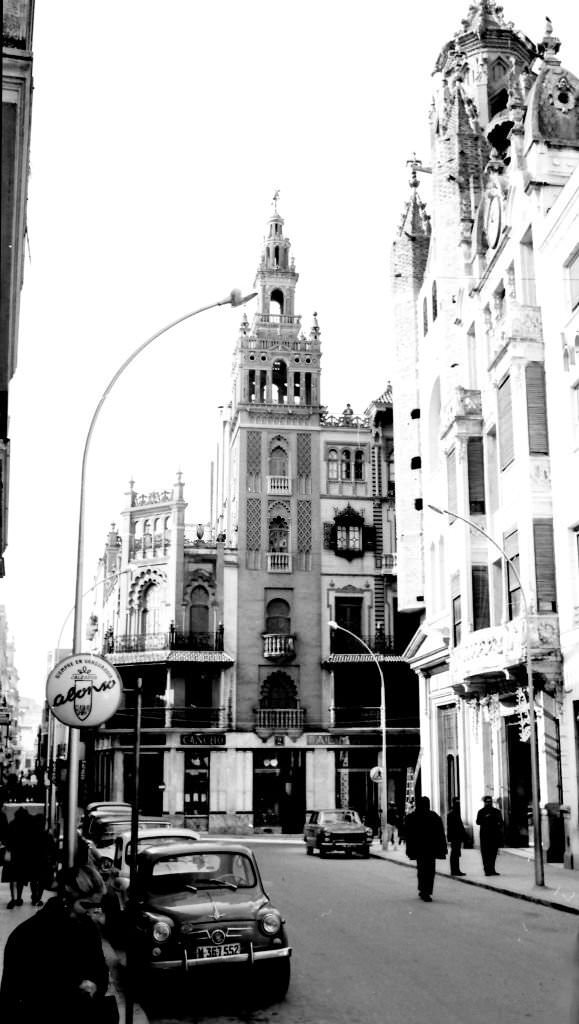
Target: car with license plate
{"x":203,"y":905}
{"x":119,"y":870}
{"x":329,"y":831}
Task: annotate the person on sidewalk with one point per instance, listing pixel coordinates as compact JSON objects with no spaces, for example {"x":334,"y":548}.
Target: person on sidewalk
{"x":456,"y":835}
{"x":43,"y":857}
{"x":425,"y":843}
{"x":16,"y":869}
{"x":490,"y":821}
{"x":392,"y":825}
{"x":67,"y":977}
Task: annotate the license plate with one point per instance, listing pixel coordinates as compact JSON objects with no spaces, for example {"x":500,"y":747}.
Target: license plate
{"x":215,"y":952}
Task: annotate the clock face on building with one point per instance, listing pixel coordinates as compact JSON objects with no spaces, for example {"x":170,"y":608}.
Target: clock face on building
{"x":493,"y":221}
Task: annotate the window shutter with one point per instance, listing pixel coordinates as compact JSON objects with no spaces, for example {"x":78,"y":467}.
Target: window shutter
{"x":480,"y":597}
{"x":451,"y":478}
{"x":505,"y":423}
{"x":545,"y":565}
{"x":537,"y":409}
{"x":369,"y":538}
{"x":476,"y":476}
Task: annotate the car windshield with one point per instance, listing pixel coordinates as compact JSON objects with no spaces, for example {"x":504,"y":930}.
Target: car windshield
{"x":146,"y":841}
{"x":339,"y":817}
{"x":192,"y":872}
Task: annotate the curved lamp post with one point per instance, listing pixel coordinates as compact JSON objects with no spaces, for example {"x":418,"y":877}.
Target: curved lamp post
{"x":235,"y":298}
{"x":535,"y":783}
{"x":334,"y":625}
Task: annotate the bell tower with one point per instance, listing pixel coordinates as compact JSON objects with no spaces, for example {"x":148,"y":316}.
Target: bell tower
{"x":275,"y":364}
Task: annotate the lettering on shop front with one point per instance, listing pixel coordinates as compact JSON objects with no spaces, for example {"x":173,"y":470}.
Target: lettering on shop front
{"x":323,"y":740}
{"x":199,"y":739}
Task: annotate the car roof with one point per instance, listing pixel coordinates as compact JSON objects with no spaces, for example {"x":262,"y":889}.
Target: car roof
{"x":167,"y":833}
{"x":97,"y":804}
{"x":332,"y":810}
{"x":155,"y":853}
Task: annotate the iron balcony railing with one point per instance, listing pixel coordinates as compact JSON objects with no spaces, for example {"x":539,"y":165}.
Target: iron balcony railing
{"x":355,"y":718}
{"x":172,"y":640}
{"x":280,"y":718}
{"x":279,"y":561}
{"x":343,"y":643}
{"x":161,"y":717}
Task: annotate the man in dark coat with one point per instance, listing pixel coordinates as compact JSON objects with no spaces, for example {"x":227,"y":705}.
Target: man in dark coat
{"x":456,"y":835}
{"x":425,"y":843}
{"x":490,"y":821}
{"x":54,"y":966}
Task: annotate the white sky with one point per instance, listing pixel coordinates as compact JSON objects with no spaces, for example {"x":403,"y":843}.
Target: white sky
{"x":159,"y":133}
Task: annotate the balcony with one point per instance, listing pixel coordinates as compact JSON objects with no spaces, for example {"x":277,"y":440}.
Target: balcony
{"x":172,"y":640}
{"x":279,"y":320}
{"x":184,"y":717}
{"x":279,"y":485}
{"x":270,"y":720}
{"x":279,"y":561}
{"x":498,"y":649}
{"x":355,"y":718}
{"x":278,"y":647}
{"x":342,"y":643}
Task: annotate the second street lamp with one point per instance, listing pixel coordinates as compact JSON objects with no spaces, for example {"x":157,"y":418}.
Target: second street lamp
{"x":384,"y":787}
{"x":534,"y":751}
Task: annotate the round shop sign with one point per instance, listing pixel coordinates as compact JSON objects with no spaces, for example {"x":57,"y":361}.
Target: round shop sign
{"x":376,"y":773}
{"x":83,"y":690}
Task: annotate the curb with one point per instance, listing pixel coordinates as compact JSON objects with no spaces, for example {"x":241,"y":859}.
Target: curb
{"x":565,"y":908}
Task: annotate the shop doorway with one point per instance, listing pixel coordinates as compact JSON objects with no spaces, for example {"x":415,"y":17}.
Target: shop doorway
{"x":520,"y":789}
{"x":279,"y":790}
{"x":354,"y":787}
{"x":151,"y":784}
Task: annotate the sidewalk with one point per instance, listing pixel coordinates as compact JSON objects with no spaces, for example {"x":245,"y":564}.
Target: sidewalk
{"x":516,"y":876}
{"x":10,"y":918}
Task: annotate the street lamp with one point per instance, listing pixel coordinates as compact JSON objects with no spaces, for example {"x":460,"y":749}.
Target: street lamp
{"x":235,"y":298}
{"x":334,"y":625}
{"x":535,"y":784}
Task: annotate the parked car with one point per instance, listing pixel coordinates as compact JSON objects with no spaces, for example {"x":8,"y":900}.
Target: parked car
{"x":327,"y":831}
{"x":204,"y":904}
{"x":101,"y":842}
{"x":90,"y":822}
{"x":103,"y":806}
{"x":118,"y":873}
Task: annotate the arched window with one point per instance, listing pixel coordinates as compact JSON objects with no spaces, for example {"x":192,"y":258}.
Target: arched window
{"x":358,"y":464}
{"x":278,"y":617}
{"x":278,"y":534}
{"x":199,"y":610}
{"x":346,"y":464}
{"x":278,"y":461}
{"x":147,"y":538}
{"x":333,"y":464}
{"x":278,"y":691}
{"x":150,"y":609}
{"x":276,"y":297}
{"x":434,"y":301}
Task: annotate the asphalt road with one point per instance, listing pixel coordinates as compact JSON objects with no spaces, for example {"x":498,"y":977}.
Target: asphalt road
{"x":368,"y":951}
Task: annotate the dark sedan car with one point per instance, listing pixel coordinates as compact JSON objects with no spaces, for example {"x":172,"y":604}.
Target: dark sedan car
{"x":202,"y":907}
{"x":327,"y":831}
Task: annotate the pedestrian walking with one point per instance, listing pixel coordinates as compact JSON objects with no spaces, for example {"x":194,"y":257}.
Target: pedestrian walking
{"x":16,"y":869}
{"x":490,"y":821}
{"x":67,"y":977}
{"x":425,"y":843}
{"x":3,"y":832}
{"x":456,"y":835}
{"x":42,"y":860}
{"x":392,"y":824}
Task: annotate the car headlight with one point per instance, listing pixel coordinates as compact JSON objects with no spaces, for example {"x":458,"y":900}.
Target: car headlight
{"x":369,"y":833}
{"x":161,"y":931}
{"x":326,"y":833}
{"x":270,"y":923}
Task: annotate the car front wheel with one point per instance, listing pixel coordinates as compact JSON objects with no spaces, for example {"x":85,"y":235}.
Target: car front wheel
{"x":278,"y":980}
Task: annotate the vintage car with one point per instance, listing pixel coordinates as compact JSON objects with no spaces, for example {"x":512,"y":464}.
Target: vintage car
{"x":101,"y":841}
{"x":332,"y":830}
{"x":117,"y":873}
{"x":198,"y":906}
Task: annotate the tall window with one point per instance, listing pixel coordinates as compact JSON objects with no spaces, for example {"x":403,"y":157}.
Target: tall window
{"x":150,"y":609}
{"x":511,"y":547}
{"x":545,"y":565}
{"x":506,"y":446}
{"x":456,"y":609}
{"x":536,"y":409}
{"x":278,"y":617}
{"x":358,"y":464}
{"x":199,"y":611}
{"x":346,"y":464}
{"x":278,"y":534}
{"x":278,"y":462}
{"x":348,"y":538}
{"x":333,"y":464}
{"x":476,"y":476}
{"x":480,"y":597}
